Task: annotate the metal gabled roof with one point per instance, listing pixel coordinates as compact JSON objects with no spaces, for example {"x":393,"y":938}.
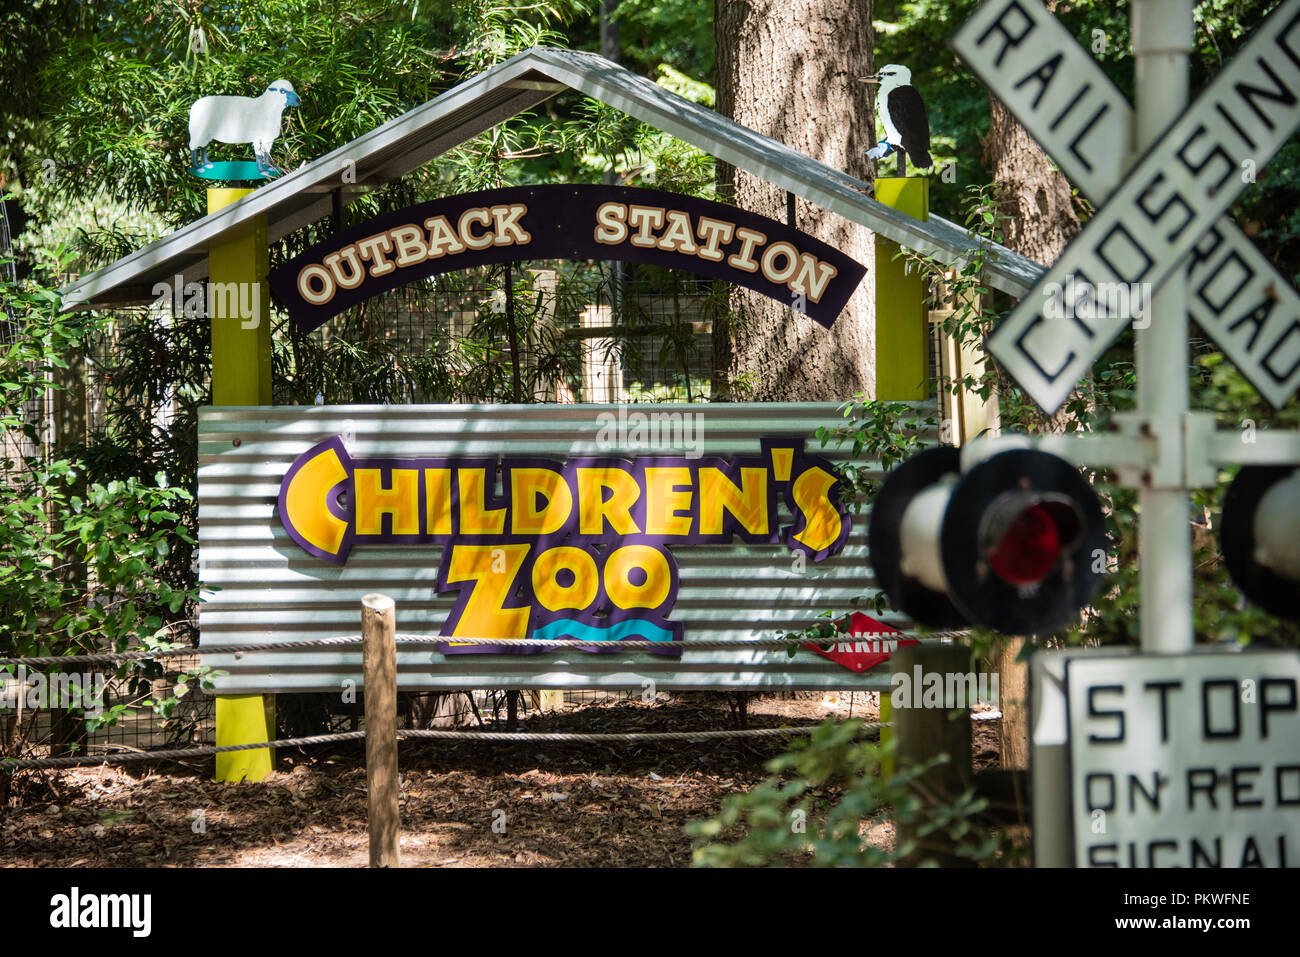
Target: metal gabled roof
{"x":467,"y":109}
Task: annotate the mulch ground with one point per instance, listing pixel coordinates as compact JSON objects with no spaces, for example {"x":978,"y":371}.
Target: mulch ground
{"x":562,"y":805}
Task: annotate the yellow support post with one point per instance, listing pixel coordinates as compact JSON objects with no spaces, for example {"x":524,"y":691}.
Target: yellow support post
{"x":902,"y":330}
{"x":241,"y":346}
{"x":241,"y":375}
{"x":902,"y":334}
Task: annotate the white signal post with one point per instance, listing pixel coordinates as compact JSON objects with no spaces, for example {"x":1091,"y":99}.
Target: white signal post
{"x":1162,"y":39}
{"x":1145,"y":171}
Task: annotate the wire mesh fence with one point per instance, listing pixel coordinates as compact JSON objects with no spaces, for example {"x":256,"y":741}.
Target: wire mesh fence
{"x":601,"y":332}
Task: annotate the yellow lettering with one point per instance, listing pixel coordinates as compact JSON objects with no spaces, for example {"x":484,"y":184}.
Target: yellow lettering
{"x":823,"y":524}
{"x":580,"y":593}
{"x":663,"y":501}
{"x":747,"y":503}
{"x":485,"y":614}
{"x":652,"y":565}
{"x":475,"y":517}
{"x":402,"y":501}
{"x":525,"y":485}
{"x":594,"y":509}
{"x":437,"y":499}
{"x":306,"y":500}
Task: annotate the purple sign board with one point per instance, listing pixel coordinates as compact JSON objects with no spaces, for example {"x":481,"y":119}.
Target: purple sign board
{"x":579,"y":548}
{"x":542,"y":222}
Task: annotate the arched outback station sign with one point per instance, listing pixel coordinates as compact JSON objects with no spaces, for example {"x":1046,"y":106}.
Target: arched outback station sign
{"x":566,"y":222}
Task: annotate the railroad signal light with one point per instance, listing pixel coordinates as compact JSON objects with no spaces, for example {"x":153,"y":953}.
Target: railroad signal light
{"x":1260,"y":535}
{"x":1007,"y":543}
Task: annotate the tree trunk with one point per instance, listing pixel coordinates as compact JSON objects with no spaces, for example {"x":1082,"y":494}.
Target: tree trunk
{"x":1038,"y":198}
{"x":68,"y":727}
{"x":788,"y":69}
{"x":8,"y":749}
{"x":1013,"y":699}
{"x":1035,"y":194}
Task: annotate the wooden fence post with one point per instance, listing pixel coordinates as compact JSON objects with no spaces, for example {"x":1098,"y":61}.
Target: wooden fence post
{"x":379,"y":661}
{"x":925,"y":731}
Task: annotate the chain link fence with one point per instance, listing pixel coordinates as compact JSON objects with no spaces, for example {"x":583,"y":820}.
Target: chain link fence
{"x":599,"y":332}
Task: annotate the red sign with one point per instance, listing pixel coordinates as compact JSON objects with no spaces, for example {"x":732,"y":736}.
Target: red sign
{"x":866,"y":643}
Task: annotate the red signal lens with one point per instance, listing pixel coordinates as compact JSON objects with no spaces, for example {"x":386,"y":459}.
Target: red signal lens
{"x":1029,"y":548}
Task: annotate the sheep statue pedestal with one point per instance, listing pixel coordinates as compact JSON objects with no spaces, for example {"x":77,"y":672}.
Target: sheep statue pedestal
{"x":233,"y":171}
{"x":239,"y":119}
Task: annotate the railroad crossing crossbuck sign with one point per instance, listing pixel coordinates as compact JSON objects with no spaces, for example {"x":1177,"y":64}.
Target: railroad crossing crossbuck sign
{"x":1167,"y":210}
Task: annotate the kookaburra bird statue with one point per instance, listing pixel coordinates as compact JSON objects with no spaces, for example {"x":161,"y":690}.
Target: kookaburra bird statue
{"x":902,"y":114}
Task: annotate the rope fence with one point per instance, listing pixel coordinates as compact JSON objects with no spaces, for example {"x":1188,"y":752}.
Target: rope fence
{"x":506,"y":737}
{"x":344,"y":641}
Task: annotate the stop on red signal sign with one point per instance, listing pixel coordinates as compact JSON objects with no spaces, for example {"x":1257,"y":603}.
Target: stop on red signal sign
{"x":866,"y":643}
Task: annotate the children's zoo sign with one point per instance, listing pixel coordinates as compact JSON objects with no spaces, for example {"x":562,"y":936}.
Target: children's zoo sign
{"x":577,"y":549}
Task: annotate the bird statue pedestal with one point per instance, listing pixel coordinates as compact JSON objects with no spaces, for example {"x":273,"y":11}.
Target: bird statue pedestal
{"x":902,"y":328}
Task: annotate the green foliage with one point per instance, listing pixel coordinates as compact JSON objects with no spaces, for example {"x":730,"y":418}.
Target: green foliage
{"x":82,"y":562}
{"x":881,"y":434}
{"x":825,"y":802}
{"x":108,"y":105}
{"x":676,"y":33}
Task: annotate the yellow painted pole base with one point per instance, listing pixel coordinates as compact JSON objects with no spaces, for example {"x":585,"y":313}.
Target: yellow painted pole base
{"x":245,"y":719}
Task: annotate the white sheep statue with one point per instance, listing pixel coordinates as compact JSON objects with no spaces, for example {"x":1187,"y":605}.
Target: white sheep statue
{"x":240,"y":119}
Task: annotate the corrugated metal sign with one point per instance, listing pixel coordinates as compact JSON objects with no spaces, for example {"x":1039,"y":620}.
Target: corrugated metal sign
{"x":273,"y":576}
